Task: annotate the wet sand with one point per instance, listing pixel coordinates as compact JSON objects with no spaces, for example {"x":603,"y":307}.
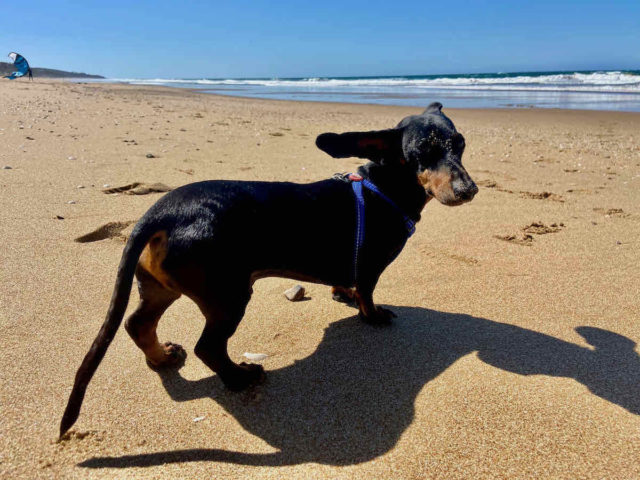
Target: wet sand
{"x":513,"y":355}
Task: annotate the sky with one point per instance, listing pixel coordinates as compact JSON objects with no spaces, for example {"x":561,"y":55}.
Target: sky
{"x":286,"y":38}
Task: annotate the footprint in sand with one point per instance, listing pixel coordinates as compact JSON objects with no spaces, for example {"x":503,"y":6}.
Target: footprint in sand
{"x":462,"y":258}
{"x":539,"y":228}
{"x":72,"y":435}
{"x":429,"y":251}
{"x":542,"y":159}
{"x":536,"y":196}
{"x":488,"y":184}
{"x":543,"y":196}
{"x":581,"y":190}
{"x":494,"y":185}
{"x":525,"y":237}
{"x":525,"y":240}
{"x":138,"y":188}
{"x":612,"y":212}
{"x":109,"y":230}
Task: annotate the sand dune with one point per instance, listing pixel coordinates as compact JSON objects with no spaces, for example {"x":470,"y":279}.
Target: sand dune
{"x":513,"y":355}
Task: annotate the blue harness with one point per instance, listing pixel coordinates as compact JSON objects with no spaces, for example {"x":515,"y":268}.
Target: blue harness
{"x":357,"y":182}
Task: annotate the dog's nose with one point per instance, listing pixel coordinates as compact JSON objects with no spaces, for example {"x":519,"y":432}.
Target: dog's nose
{"x":468,"y":193}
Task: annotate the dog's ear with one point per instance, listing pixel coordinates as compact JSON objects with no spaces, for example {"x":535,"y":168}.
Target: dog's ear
{"x":435,"y":107}
{"x":376,"y":145}
{"x":606,"y":340}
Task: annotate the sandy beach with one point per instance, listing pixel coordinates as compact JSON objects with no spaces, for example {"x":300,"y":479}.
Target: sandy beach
{"x":513,"y":355}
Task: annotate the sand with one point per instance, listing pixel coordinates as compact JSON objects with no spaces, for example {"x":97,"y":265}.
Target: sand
{"x":513,"y":355}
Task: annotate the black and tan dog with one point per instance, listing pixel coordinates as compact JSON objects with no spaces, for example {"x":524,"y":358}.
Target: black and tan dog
{"x":212,"y":240}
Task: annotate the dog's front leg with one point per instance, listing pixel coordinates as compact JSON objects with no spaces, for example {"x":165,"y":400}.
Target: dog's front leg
{"x":369,"y":312}
{"x":343,"y":294}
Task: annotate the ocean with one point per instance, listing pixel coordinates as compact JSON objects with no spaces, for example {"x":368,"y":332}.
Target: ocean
{"x":590,"y":90}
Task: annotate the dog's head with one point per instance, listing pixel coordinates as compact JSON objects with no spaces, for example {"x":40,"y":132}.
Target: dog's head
{"x":429,"y":144}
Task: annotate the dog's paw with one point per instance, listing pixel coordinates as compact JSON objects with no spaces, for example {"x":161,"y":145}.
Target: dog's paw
{"x":246,"y":375}
{"x":382,"y":316}
{"x":343,"y":295}
{"x":174,"y":356}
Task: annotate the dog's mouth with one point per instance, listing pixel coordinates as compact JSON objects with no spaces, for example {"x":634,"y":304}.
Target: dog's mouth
{"x":456,"y":202}
{"x":448,"y":200}
{"x":430,"y":195}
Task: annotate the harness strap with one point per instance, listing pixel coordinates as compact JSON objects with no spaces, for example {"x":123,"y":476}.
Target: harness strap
{"x":357,"y":182}
{"x":357,"y":190}
{"x":408,"y":223}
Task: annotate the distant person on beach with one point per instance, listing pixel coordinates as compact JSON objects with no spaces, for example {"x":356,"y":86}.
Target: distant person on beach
{"x":22,"y":67}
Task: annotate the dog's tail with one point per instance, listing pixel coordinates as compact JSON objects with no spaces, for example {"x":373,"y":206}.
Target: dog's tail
{"x":119,"y":300}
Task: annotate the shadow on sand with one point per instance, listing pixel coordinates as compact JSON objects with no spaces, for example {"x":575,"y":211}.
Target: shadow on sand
{"x":351,"y":400}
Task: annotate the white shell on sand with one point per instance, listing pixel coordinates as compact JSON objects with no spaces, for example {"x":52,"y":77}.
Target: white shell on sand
{"x":255,"y":357}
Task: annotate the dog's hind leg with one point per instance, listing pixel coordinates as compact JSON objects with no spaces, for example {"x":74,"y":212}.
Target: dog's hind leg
{"x":223,"y":311}
{"x":142,"y":324}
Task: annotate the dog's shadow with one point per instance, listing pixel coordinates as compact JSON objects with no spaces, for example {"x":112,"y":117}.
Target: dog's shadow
{"x":351,"y":400}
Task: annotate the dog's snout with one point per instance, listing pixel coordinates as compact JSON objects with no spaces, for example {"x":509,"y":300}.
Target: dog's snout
{"x":473,"y":189}
{"x":464,"y":188}
{"x":467,"y":192}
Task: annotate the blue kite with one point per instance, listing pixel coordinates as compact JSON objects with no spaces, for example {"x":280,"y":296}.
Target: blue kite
{"x":22,"y":67}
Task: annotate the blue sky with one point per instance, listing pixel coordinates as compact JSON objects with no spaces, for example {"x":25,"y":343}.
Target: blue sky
{"x":323,"y":38}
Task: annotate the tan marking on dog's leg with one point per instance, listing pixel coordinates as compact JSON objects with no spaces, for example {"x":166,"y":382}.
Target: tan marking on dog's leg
{"x":365,"y":304}
{"x":142,"y":324}
{"x":342,"y":294}
{"x":369,"y":312}
{"x":152,"y":257}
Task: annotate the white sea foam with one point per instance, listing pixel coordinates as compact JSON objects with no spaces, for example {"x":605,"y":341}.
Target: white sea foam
{"x":606,"y":82}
